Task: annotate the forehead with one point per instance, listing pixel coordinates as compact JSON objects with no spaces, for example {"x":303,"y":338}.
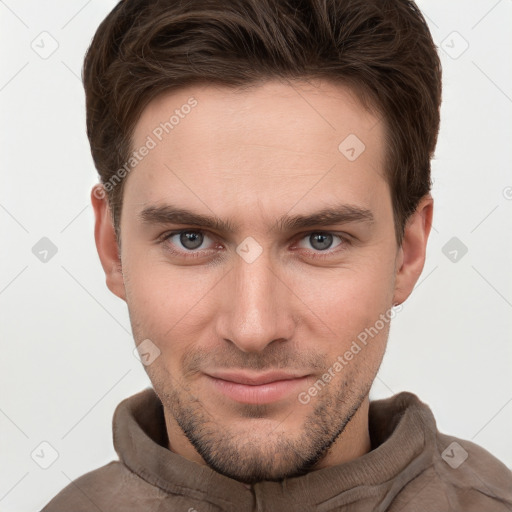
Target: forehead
{"x":293,"y":111}
{"x":274,"y":141}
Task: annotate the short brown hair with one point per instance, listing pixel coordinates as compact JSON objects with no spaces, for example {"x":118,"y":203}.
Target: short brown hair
{"x":382,"y":49}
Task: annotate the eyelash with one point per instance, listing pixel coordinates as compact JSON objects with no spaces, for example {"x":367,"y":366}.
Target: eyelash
{"x":345,"y":240}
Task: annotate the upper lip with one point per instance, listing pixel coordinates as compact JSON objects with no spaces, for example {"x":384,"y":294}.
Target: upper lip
{"x":254,"y":379}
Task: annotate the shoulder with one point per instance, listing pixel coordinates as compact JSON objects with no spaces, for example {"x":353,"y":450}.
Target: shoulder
{"x":108,"y":487}
{"x":89,"y":490}
{"x":469,"y":477}
{"x":447,"y":473}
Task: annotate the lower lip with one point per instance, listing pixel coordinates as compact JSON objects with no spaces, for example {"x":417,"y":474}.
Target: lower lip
{"x":261,"y":394}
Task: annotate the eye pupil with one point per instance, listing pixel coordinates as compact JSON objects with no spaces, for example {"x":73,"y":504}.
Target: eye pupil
{"x":191,"y":239}
{"x":325,"y":241}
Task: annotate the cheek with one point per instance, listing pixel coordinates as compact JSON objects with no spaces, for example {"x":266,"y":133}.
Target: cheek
{"x":172,"y":302}
{"x":347,"y":297}
{"x":345,"y":307}
{"x":163,"y":300}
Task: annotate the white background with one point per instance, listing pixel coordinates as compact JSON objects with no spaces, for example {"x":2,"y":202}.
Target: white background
{"x":66,"y":345}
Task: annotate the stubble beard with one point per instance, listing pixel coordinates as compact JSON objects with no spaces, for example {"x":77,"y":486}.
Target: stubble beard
{"x":254,"y":455}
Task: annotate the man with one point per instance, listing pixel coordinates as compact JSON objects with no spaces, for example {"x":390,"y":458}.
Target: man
{"x":264,"y":209}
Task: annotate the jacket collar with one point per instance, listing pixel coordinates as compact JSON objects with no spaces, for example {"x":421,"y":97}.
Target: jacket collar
{"x":402,"y":432}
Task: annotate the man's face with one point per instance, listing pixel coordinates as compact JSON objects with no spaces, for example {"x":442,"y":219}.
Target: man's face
{"x":238,"y":309}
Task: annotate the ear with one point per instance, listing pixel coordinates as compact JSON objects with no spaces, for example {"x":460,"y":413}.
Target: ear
{"x":106,"y":242}
{"x":411,"y":255}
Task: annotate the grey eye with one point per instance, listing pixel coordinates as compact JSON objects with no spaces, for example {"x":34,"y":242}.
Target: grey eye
{"x":191,"y":239}
{"x":320,"y":241}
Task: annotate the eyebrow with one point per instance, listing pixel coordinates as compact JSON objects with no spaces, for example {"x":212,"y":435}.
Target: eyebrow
{"x":341,"y":214}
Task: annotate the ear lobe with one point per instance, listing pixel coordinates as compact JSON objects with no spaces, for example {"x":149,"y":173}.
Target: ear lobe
{"x":106,"y":242}
{"x":411,"y":255}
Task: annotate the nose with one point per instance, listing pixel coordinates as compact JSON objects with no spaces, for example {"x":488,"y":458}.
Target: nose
{"x":257,"y":309}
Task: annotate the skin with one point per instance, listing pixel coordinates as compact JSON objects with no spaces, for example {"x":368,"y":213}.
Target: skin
{"x":251,"y":157}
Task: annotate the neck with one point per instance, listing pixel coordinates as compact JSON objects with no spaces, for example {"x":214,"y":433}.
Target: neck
{"x":352,"y":443}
